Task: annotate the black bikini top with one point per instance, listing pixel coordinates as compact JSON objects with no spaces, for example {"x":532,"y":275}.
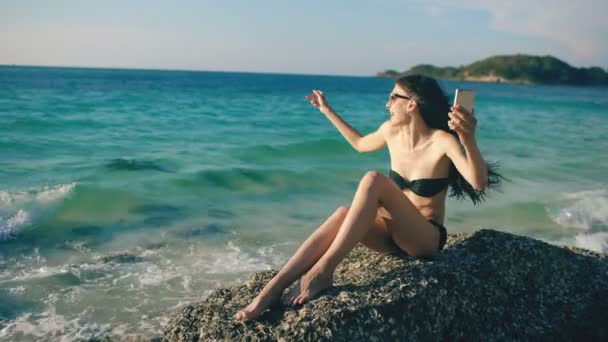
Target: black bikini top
{"x":425,"y":187}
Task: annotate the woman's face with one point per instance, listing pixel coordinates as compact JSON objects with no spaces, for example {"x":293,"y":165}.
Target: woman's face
{"x":399,"y":105}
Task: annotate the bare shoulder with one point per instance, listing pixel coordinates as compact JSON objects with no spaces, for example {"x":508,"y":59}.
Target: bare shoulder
{"x":386,"y":125}
{"x":386,"y":128}
{"x":445,"y":139}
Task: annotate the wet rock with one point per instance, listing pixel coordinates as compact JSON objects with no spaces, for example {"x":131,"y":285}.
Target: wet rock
{"x":211,"y":229}
{"x":125,"y":164}
{"x":487,"y":285}
{"x":121,"y":258}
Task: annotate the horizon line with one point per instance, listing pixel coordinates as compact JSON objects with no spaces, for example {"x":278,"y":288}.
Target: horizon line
{"x":54,"y":66}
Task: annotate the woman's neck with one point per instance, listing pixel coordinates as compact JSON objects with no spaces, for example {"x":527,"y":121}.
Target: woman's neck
{"x":415,"y":133}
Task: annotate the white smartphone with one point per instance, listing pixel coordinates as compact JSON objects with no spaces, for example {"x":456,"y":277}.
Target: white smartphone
{"x":465,"y":98}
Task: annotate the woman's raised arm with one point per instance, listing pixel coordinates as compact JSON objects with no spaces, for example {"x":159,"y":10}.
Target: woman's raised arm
{"x":371,"y":142}
{"x":466,"y":155}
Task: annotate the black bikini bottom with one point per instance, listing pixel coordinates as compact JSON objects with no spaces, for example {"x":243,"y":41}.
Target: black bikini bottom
{"x":443,"y":237}
{"x":443,"y":234}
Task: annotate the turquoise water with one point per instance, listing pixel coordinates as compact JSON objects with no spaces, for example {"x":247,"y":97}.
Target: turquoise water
{"x":125,"y":194}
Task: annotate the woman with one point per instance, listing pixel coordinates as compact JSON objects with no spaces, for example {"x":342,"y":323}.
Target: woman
{"x":432,"y":145}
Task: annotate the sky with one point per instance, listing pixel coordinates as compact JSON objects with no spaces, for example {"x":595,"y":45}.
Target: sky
{"x":339,"y":37}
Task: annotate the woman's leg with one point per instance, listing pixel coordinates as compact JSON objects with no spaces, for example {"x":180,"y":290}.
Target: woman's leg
{"x":378,"y":238}
{"x":305,"y":257}
{"x":409,"y":230}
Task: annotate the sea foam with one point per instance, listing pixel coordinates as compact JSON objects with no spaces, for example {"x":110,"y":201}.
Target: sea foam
{"x":19,"y":208}
{"x":586,"y":212}
{"x":597,"y":242}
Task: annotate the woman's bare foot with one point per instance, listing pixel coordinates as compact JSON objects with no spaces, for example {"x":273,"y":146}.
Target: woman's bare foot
{"x":258,"y":305}
{"x":291,"y":294}
{"x":313,"y":283}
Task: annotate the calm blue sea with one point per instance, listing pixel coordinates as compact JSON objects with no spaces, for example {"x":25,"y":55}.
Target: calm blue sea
{"x":126,"y":194}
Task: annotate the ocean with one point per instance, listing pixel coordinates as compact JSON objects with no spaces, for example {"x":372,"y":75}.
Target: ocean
{"x":127,"y":194}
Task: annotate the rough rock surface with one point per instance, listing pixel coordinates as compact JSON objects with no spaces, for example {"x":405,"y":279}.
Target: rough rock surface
{"x":487,"y":285}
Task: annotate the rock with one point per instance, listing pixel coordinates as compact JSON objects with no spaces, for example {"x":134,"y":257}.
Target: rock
{"x":487,"y":285}
{"x":121,"y":258}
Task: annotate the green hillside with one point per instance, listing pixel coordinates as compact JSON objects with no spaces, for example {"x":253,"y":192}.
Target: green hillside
{"x":512,"y":69}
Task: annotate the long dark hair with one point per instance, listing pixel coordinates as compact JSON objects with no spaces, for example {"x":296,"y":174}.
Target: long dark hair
{"x":434,"y":105}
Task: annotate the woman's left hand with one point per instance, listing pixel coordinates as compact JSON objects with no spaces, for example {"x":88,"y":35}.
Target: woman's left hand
{"x":463,"y":123}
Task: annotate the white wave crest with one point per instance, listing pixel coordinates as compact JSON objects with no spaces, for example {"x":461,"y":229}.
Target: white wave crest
{"x":21,"y":217}
{"x":44,"y":195}
{"x":18,"y":208}
{"x":8,"y":228}
{"x":51,"y":194}
{"x":585,"y":210}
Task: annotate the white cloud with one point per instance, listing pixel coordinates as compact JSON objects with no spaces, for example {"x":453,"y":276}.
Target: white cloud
{"x":578,"y":25}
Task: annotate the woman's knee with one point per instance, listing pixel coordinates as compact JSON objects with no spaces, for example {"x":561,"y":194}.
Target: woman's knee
{"x":371,"y":180}
{"x":341,"y":211}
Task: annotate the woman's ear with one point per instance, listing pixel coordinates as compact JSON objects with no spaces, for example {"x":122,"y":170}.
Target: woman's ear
{"x":412,"y":106}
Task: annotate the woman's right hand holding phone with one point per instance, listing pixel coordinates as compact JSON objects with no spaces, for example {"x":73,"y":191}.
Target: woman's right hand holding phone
{"x":463,"y":123}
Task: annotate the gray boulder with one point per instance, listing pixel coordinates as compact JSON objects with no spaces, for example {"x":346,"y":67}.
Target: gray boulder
{"x":487,"y":285}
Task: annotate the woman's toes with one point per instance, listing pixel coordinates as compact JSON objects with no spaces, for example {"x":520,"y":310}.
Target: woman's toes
{"x":289,"y":297}
{"x":246,"y":314}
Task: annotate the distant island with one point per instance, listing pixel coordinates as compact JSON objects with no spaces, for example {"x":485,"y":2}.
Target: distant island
{"x":522,"y":69}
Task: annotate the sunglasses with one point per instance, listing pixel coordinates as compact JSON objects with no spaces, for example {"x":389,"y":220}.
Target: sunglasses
{"x":393,"y":96}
